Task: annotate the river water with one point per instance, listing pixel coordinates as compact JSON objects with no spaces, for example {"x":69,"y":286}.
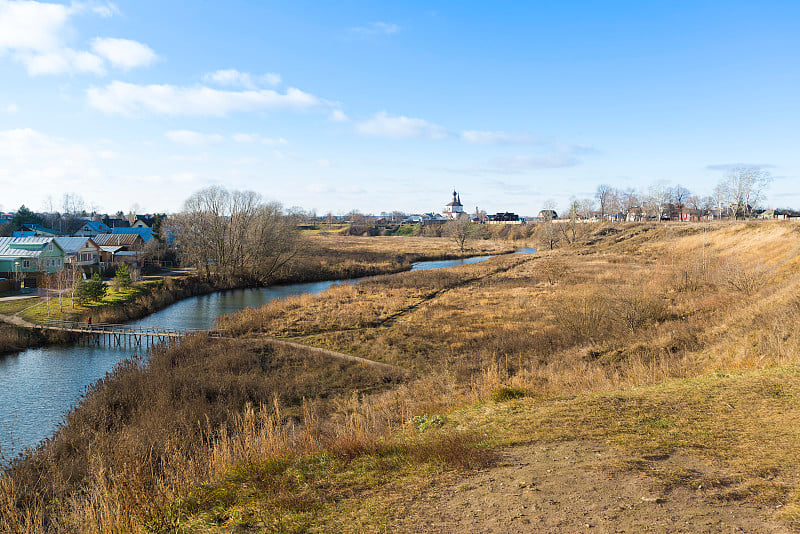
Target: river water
{"x":37,"y":385}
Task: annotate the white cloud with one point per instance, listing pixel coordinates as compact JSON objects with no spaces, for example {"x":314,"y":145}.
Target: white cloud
{"x":35,"y":34}
{"x":337,"y":115}
{"x":32,"y":26}
{"x":127,"y":98}
{"x":39,"y":161}
{"x":398,"y":127}
{"x":558,"y":155}
{"x":62,"y":61}
{"x":235,"y":78}
{"x":104,"y":10}
{"x":495,"y":138}
{"x":190,"y":138}
{"x":271,"y":78}
{"x":376,"y":28}
{"x":255,"y":138}
{"x":10,"y":109}
{"x":123,"y":53}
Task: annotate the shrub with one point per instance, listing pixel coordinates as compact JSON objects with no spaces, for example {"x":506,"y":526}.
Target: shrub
{"x":507,"y":393}
{"x":554,"y":269}
{"x":425,"y":421}
{"x":638,"y":305}
{"x":744,"y":278}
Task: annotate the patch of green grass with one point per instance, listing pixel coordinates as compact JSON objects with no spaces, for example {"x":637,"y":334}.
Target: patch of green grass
{"x":328,"y":491}
{"x":506,"y":393}
{"x":11,"y":307}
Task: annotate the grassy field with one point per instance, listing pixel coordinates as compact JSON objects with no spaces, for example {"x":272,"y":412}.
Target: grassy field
{"x":672,"y":348}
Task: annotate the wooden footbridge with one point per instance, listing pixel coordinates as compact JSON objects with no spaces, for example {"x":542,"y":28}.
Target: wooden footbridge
{"x":122,"y":334}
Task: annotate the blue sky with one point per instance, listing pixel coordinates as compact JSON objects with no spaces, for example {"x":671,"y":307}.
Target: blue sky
{"x":380,"y":106}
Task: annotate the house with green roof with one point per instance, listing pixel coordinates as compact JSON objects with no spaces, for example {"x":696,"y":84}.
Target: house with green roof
{"x":26,"y":256}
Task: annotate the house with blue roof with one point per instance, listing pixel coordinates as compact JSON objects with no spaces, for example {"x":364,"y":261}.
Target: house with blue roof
{"x":38,"y":231}
{"x":145,"y":233}
{"x":92,"y":228}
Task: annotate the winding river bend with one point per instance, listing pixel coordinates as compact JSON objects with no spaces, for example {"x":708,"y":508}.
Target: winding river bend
{"x":38,"y":385}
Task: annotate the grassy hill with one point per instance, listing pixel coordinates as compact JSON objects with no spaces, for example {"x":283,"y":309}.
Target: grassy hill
{"x":644,"y":378}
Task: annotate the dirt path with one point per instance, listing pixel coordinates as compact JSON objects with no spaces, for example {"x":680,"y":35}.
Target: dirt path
{"x":18,"y":321}
{"x":337,"y":355}
{"x":564,"y":487}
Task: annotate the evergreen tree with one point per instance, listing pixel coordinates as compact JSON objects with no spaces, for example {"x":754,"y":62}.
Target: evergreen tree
{"x":90,"y":290}
{"x":122,"y":277}
{"x":25,"y":216}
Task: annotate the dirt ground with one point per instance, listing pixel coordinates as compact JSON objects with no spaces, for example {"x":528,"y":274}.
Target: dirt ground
{"x":570,"y":487}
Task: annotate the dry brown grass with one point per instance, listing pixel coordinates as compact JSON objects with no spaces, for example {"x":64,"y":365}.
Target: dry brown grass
{"x":641,"y":306}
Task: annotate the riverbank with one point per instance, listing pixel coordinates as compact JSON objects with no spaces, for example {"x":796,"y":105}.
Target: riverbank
{"x":324,"y":258}
{"x":15,"y":338}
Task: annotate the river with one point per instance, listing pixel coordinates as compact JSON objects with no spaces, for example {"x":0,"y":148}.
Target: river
{"x":37,"y":385}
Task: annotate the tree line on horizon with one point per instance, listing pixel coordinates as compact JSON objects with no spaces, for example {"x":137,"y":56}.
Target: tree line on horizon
{"x":738,"y":195}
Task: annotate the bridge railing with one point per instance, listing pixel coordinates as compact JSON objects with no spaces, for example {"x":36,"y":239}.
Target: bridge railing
{"x":119,"y":328}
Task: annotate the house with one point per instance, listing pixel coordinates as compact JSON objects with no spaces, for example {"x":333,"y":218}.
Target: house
{"x":93,"y":228}
{"x":118,"y":223}
{"x":80,"y":251}
{"x":30,"y":258}
{"x":504,"y":218}
{"x":145,"y":233}
{"x":115,"y":248}
{"x":548,"y":215}
{"x":133,"y":242}
{"x":38,"y":231}
{"x":144,"y":221}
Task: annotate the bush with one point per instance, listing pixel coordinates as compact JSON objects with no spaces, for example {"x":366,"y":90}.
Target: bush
{"x":554,"y":269}
{"x":507,"y":393}
{"x":744,"y":278}
{"x":424,"y":422}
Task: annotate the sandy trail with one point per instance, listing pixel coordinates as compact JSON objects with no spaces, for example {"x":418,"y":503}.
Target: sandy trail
{"x":564,"y":487}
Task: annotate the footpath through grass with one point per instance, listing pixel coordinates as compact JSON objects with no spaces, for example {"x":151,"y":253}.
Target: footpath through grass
{"x":64,"y":308}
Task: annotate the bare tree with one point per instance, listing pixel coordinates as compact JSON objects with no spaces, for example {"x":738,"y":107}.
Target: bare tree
{"x":572,"y":228}
{"x":678,"y":196}
{"x":459,"y":230}
{"x":657,"y":200}
{"x":604,"y":196}
{"x":235,"y":235}
{"x":548,"y":233}
{"x":628,"y":201}
{"x":73,"y":204}
{"x":742,"y":189}
{"x":586,"y":208}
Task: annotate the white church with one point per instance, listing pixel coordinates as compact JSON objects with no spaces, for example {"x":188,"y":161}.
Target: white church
{"x":454,"y":209}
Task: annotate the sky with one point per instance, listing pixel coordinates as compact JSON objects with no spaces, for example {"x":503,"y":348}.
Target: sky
{"x":381,"y":106}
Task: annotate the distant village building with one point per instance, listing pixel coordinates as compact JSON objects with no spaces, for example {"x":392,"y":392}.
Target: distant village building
{"x":504,"y":218}
{"x":454,"y":209}
{"x":93,"y":228}
{"x":548,"y":214}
